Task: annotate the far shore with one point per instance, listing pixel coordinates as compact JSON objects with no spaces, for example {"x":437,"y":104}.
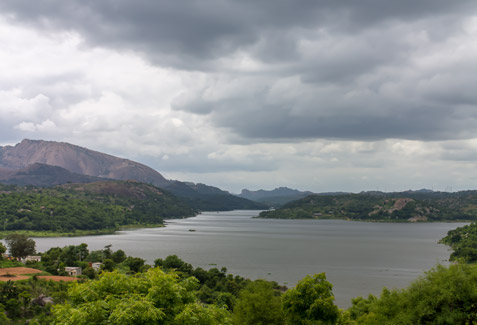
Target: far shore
{"x":77,"y":233}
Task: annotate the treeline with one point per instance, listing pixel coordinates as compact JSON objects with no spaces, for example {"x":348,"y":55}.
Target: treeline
{"x":463,"y":242}
{"x":223,"y":203}
{"x":127,"y":291}
{"x":379,"y":206}
{"x":94,"y":206}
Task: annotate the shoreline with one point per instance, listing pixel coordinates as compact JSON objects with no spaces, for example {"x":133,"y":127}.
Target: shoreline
{"x":370,"y":220}
{"x":77,"y":233}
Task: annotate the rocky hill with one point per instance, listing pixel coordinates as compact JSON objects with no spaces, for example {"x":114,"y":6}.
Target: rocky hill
{"x":76,"y":160}
{"x":49,"y":163}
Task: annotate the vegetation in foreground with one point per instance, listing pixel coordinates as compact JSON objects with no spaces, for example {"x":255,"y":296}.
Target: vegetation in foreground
{"x":463,"y":242}
{"x":378,"y":206}
{"x":127,"y":291}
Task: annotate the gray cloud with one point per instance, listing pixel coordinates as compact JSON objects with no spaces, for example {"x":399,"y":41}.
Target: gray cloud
{"x":190,"y":34}
{"x":276,"y":90}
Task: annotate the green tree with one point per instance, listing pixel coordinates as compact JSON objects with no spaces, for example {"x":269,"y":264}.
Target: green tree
{"x":445,"y":295}
{"x":108,"y":265}
{"x":311,"y":302}
{"x":3,"y":249}
{"x":89,"y":272}
{"x":20,"y":245}
{"x":154,"y":297}
{"x":198,"y":313}
{"x":119,"y":256}
{"x":134,"y":263}
{"x":258,"y":304}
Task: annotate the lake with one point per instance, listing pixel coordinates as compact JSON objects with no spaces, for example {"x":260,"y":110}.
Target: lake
{"x":358,"y":257}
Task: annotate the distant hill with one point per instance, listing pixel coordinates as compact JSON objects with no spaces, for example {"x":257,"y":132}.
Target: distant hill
{"x":77,"y":160}
{"x":209,"y":198}
{"x":380,"y":206}
{"x":49,"y":163}
{"x":276,"y":198}
{"x":87,"y":207}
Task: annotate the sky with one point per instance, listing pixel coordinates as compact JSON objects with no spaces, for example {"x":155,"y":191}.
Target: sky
{"x":316,"y":95}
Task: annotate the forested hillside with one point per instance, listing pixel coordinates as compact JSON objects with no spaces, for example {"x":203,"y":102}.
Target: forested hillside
{"x":463,"y":242}
{"x":94,"y":206}
{"x":378,"y":206}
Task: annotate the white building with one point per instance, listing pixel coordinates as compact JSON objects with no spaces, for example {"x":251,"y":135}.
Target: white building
{"x":73,"y":270}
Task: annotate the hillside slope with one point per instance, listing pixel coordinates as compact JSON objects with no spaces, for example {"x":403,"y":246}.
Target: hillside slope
{"x":92,"y":206}
{"x":43,"y":175}
{"x":405,"y":206}
{"x":48,"y":163}
{"x":77,"y":160}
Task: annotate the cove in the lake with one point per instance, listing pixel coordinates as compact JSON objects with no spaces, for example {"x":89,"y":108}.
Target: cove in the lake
{"x":358,"y":257}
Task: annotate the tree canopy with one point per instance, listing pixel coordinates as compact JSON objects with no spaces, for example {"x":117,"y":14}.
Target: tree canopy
{"x":154,"y":297}
{"x":444,"y":295}
{"x":20,"y":245}
{"x":87,"y":207}
{"x":311,"y":301}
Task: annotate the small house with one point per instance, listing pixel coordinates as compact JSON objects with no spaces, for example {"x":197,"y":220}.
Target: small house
{"x":31,"y":258}
{"x":96,"y":266}
{"x":73,"y":270}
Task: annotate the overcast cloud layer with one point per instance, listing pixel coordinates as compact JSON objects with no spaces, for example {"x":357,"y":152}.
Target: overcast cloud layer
{"x":316,"y":95}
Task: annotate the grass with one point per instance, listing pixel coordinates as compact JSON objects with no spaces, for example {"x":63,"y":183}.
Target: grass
{"x":6,"y":264}
{"x":76,"y":233}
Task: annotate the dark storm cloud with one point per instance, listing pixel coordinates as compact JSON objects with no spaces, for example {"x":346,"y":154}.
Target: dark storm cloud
{"x":176,"y":31}
{"x":252,"y":120}
{"x":333,"y":48}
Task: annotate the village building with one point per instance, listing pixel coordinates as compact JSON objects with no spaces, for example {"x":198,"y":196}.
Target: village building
{"x":73,"y":270}
{"x":31,"y":258}
{"x":96,"y":266}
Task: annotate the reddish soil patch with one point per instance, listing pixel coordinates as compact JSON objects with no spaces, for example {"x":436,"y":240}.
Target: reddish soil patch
{"x":57,"y":278}
{"x":13,"y":278}
{"x":401,"y":203}
{"x":18,"y":270}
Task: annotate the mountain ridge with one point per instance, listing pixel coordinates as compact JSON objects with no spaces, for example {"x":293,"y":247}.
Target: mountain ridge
{"x":46,"y":163}
{"x":276,"y":197}
{"x":78,"y":160}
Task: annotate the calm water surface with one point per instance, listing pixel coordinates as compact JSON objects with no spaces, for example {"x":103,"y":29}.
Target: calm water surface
{"x":358,"y":257}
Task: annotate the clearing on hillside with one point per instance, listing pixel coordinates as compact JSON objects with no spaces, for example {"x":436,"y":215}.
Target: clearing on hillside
{"x":18,"y":270}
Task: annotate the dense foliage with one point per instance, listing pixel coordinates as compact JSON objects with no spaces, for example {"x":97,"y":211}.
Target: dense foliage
{"x":154,"y":297}
{"x":443,"y":296}
{"x":378,"y":206}
{"x":30,"y":299}
{"x":311,"y":301}
{"x":463,"y":241}
{"x":128,"y":291}
{"x":215,"y":286}
{"x":259,"y":303}
{"x":94,"y":206}
{"x":20,"y":245}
